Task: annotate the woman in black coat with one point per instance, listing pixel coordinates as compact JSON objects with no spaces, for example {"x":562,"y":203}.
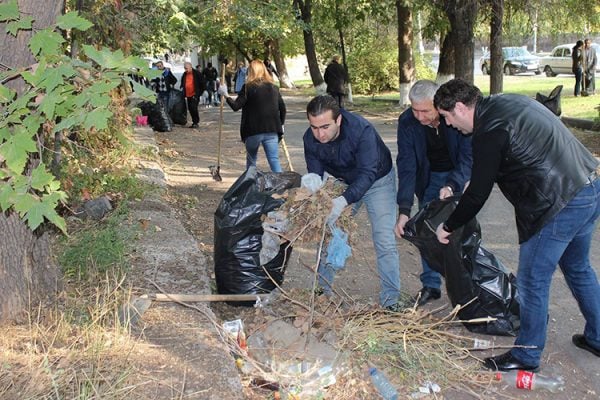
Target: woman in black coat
{"x":263,"y":114}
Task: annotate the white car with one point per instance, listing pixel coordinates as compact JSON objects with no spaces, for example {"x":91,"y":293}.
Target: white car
{"x":153,"y":60}
{"x":560,"y":61}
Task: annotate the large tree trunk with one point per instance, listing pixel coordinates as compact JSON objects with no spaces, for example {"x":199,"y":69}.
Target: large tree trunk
{"x":405,"y":55}
{"x":305,"y":8}
{"x":462,"y":15}
{"x":284,"y":78}
{"x":445,"y":70}
{"x":26,"y":267}
{"x":496,"y":76}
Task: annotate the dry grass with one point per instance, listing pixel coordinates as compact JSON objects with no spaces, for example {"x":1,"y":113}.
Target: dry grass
{"x":76,"y":350}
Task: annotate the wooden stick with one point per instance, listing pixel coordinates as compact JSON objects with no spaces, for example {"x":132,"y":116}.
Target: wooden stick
{"x":203,"y":297}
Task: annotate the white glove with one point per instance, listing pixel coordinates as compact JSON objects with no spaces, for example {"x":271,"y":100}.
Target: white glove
{"x":312,"y":182}
{"x":337,"y":206}
{"x":222,"y":90}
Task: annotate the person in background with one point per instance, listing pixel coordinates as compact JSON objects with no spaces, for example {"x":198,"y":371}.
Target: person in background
{"x":434,"y":161}
{"x":577,"y":67}
{"x":263,"y":114}
{"x":347,"y":147}
{"x":336,"y":77}
{"x":229,"y":72}
{"x":164,"y":83}
{"x":551,"y":179}
{"x":240,"y":77}
{"x":192,"y":86}
{"x":210,"y":75}
{"x":591,"y":60}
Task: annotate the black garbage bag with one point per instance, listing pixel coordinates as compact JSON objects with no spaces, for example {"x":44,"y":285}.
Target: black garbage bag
{"x":552,"y":101}
{"x":473,"y":274}
{"x":158,"y":118}
{"x":238,"y":234}
{"x":176,"y":107}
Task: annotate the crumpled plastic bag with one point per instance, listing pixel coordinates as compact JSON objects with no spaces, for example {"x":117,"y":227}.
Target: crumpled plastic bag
{"x":275,"y":224}
{"x":338,"y":249}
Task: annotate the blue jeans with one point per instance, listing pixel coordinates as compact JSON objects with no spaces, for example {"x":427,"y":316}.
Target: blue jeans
{"x":437,"y":180}
{"x":578,"y":81}
{"x":565,"y":240}
{"x":380,"y":201}
{"x":270,"y":142}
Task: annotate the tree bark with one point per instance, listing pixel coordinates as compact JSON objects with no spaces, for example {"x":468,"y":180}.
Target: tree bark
{"x":26,"y":266}
{"x":496,"y":76}
{"x":284,"y":78}
{"x":305,"y":8}
{"x":405,"y":56}
{"x":446,"y":65}
{"x":462,"y":15}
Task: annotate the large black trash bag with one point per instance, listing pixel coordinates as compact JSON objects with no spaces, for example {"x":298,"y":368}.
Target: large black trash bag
{"x":158,"y":118}
{"x":176,"y":107}
{"x":238,"y":234}
{"x":473,"y":274}
{"x":552,"y":101}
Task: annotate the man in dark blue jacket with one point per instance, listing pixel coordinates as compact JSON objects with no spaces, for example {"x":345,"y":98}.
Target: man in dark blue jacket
{"x":434,"y":161}
{"x":349,"y":148}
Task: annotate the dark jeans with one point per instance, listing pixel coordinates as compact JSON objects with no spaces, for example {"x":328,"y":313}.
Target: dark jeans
{"x":578,"y":81}
{"x":192,"y":107}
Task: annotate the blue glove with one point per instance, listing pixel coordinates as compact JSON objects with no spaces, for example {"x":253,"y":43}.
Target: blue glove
{"x":337,"y":206}
{"x":312,"y":182}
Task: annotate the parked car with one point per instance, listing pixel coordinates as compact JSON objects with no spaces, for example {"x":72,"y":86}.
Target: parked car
{"x":560,"y":62}
{"x":154,"y":60}
{"x":515,"y":61}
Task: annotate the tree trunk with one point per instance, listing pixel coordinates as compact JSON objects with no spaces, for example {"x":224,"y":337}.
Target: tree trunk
{"x":496,"y":76}
{"x":26,"y":266}
{"x":304,"y":6}
{"x":462,"y":15}
{"x":405,"y":56}
{"x":446,"y":65}
{"x":284,"y":78}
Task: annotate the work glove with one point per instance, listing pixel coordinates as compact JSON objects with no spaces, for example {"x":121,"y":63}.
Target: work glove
{"x":222,"y":90}
{"x":312,"y":182}
{"x":337,"y":206}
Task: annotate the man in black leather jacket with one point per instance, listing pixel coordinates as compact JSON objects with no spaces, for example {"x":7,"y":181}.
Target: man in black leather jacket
{"x":551,"y":180}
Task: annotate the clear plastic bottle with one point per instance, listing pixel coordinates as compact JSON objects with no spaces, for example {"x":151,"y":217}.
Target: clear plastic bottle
{"x":531,"y":381}
{"x":383,"y":386}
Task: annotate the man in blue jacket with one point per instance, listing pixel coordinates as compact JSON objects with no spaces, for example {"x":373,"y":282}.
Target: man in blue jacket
{"x":434,"y":161}
{"x":349,"y":148}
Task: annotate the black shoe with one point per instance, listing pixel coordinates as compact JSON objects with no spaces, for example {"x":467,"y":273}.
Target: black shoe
{"x":194,"y":126}
{"x":506,"y":362}
{"x":405,"y":302}
{"x":582,"y":343}
{"x":427,"y":294}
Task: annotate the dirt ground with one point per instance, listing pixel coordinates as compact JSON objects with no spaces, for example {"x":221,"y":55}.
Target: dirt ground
{"x":186,"y":155}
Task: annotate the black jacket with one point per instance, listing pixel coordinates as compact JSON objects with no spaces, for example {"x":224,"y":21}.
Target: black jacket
{"x":199,"y":83}
{"x":542,"y":166}
{"x":335,"y":78}
{"x":263,"y":109}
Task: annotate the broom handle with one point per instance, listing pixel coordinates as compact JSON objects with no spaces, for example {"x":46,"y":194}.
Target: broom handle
{"x":221,"y":117}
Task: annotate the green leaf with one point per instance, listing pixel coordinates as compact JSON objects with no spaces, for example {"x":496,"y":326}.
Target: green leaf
{"x":16,"y":150}
{"x":105,"y":58}
{"x":23,"y":202}
{"x":54,"y":77}
{"x":98,"y":119}
{"x":32,"y":122}
{"x":4,"y":134}
{"x":48,"y":104}
{"x":69,"y":122}
{"x":143,"y":91}
{"x":72,"y":20}
{"x":23,"y":24}
{"x":9,"y":11}
{"x":40,"y":177}
{"x":6,"y":194}
{"x":6,"y":94}
{"x":46,"y":42}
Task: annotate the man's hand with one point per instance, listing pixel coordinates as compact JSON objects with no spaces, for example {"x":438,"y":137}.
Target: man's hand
{"x":337,"y":206}
{"x":442,"y":234}
{"x":312,"y":182}
{"x":399,"y":228}
{"x":445,"y":192}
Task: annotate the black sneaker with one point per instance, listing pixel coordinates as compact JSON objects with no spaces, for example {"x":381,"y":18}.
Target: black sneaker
{"x":194,"y":126}
{"x":405,"y":302}
{"x":427,"y":294}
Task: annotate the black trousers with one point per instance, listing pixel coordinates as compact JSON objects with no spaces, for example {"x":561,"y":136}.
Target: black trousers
{"x":192,"y":106}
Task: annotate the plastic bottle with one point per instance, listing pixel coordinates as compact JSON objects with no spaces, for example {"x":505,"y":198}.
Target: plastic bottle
{"x":531,"y":381}
{"x":383,"y":386}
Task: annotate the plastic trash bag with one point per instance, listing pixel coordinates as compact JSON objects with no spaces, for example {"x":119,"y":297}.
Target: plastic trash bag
{"x":239,"y":231}
{"x":338,"y":249}
{"x":275,"y":224}
{"x":471,"y":272}
{"x":158,"y":117}
{"x":176,"y":107}
{"x":552,"y":101}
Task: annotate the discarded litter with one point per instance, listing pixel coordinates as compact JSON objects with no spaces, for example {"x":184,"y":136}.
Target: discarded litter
{"x":235,"y":329}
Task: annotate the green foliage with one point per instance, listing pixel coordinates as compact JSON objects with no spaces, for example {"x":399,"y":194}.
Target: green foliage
{"x":63,"y":94}
{"x":373,"y":71}
{"x":423,"y":67}
{"x":98,"y":247}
